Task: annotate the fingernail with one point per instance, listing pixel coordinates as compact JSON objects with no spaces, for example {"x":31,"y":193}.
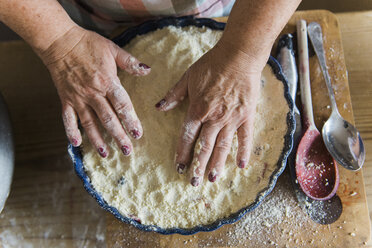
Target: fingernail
{"x":195,"y":181}
{"x":241,"y":164}
{"x":160,"y":104}
{"x":74,"y":142}
{"x":126,"y":150}
{"x":135,"y":133}
{"x":144,"y":66}
{"x":180,"y":168}
{"x":102,"y":152}
{"x":212,"y":177}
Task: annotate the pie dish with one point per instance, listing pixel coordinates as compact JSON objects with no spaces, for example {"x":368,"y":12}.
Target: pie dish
{"x":76,"y":153}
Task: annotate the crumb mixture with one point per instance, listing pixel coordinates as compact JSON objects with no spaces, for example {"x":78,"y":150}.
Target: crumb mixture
{"x":146,"y":186}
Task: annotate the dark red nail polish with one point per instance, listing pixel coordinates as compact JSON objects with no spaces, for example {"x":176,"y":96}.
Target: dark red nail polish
{"x":212,"y":177}
{"x":74,"y":142}
{"x":126,"y":150}
{"x":144,"y":66}
{"x":180,"y":168}
{"x":102,"y":152}
{"x":160,"y":104}
{"x":241,"y":164}
{"x":135,"y":133}
{"x":195,"y":181}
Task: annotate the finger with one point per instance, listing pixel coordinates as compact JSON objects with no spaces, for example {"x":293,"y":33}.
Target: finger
{"x":220,"y":152}
{"x":245,"y":137}
{"x":130,"y":64}
{"x":111,"y":123}
{"x":173,"y":97}
{"x":202,"y":152}
{"x":71,"y":125}
{"x":89,"y":123}
{"x":189,"y":134}
{"x":122,"y":105}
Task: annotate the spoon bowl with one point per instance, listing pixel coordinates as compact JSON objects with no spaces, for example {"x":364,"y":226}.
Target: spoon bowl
{"x":343,"y":142}
{"x":316,"y":170}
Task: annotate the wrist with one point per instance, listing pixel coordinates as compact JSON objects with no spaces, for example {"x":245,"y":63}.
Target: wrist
{"x":248,"y":60}
{"x":62,"y":44}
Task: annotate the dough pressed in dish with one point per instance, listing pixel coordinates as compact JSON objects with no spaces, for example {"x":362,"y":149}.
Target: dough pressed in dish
{"x":146,"y":186}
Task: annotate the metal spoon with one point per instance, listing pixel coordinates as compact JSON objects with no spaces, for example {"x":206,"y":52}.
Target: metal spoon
{"x":316,"y":171}
{"x":341,"y":138}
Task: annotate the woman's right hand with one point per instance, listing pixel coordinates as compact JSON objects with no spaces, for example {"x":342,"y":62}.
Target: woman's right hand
{"x":83,"y":66}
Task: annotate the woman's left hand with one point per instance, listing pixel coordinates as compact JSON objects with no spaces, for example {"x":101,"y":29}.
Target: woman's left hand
{"x":223,"y":87}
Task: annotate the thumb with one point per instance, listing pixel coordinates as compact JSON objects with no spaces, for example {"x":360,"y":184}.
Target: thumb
{"x":174,"y":96}
{"x":130,"y":64}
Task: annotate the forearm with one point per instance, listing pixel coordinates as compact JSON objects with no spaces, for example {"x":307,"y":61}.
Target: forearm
{"x":38,"y":22}
{"x":253,"y":25}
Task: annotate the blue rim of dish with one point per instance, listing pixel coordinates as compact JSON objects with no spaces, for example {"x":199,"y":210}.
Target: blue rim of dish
{"x":76,"y":155}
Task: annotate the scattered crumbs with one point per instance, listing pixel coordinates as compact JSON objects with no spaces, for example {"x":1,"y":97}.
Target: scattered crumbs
{"x":352,"y":234}
{"x":344,"y":222}
{"x":261,"y":225}
{"x":339,"y":227}
{"x":328,"y":107}
{"x":353,"y":193}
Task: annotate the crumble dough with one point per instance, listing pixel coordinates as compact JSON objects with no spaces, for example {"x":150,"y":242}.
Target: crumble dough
{"x":145,"y":186}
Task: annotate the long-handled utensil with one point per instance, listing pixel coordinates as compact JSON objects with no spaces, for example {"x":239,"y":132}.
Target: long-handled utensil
{"x":341,"y":138}
{"x":322,"y":212}
{"x":316,"y":171}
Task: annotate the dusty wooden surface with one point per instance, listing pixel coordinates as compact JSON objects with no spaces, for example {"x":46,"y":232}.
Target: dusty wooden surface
{"x":48,"y":206}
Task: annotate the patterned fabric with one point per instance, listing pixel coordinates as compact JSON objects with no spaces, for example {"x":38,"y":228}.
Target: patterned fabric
{"x":105,"y":15}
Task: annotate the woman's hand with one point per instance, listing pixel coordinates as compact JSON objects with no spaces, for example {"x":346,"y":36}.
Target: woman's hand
{"x":223,"y":87}
{"x":83,"y":66}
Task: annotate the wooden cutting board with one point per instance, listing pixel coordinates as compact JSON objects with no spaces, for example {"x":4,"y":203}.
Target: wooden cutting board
{"x":293,"y":229}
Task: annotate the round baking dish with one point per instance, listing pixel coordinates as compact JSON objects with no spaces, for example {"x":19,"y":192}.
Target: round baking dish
{"x":77,"y":158}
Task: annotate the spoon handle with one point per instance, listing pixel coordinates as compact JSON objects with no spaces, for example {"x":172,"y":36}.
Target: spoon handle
{"x":315,"y":34}
{"x":305,"y":74}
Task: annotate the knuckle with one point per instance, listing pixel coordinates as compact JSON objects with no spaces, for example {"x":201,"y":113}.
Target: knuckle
{"x":88,"y":124}
{"x":223,"y":144}
{"x":92,"y":96}
{"x":107,"y":119}
{"x":187,"y":137}
{"x":206,"y":146}
{"x":123,"y":108}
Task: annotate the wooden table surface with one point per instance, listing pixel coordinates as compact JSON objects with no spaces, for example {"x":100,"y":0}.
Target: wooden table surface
{"x":48,"y":206}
